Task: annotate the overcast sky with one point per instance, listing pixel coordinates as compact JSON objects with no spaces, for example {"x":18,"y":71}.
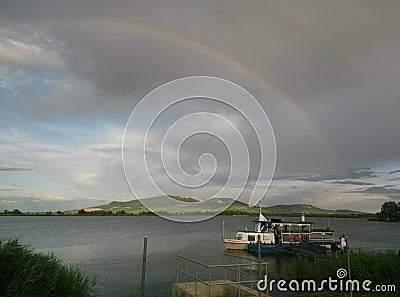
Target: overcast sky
{"x":327,"y":73}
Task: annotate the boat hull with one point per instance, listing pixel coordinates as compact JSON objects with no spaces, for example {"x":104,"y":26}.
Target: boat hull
{"x":268,"y":249}
{"x":235,"y":244}
{"x":299,"y":249}
{"x":309,"y":249}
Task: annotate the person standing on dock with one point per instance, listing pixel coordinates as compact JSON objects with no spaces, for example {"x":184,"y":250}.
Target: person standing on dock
{"x":343,"y":243}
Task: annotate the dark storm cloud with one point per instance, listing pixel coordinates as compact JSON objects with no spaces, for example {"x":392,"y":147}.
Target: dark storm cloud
{"x":336,"y":177}
{"x":387,"y":190}
{"x":352,"y":182}
{"x":333,"y":59}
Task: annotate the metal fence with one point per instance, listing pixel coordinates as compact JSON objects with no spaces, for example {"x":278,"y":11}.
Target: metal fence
{"x":237,"y":272}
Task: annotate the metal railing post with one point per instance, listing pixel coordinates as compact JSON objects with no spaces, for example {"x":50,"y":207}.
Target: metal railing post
{"x":348,"y":264}
{"x":177,"y":269}
{"x":195,"y":284}
{"x":266,"y":273}
{"x":237,"y":275}
{"x":186,"y":273}
{"x":209,"y":281}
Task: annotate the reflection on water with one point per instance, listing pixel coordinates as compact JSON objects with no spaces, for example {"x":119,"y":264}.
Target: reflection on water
{"x":110,"y":248}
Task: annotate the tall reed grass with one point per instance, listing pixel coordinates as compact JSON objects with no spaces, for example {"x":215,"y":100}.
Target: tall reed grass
{"x":24,"y":273}
{"x":378,"y":267}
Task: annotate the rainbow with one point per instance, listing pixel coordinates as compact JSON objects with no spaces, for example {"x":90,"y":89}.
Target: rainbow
{"x":192,"y":44}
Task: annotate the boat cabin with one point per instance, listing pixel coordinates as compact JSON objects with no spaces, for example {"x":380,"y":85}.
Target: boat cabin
{"x":276,"y":231}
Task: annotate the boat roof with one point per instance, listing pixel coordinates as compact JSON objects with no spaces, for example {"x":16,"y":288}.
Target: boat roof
{"x":283,"y":222}
{"x":262,"y":219}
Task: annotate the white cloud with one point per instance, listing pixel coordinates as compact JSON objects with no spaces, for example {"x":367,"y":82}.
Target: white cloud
{"x":13,"y":168}
{"x":11,"y":188}
{"x":21,"y":54}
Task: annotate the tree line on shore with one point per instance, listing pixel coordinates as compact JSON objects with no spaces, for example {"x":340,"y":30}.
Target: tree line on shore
{"x":390,"y":211}
{"x":80,"y":212}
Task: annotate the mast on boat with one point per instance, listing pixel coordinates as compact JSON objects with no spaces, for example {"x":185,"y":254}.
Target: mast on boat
{"x":261,"y":218}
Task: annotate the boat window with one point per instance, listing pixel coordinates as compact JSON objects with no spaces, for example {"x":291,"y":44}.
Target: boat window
{"x":252,"y":238}
{"x":305,"y":229}
{"x":285,"y":229}
{"x":239,"y":236}
{"x":294,"y":229}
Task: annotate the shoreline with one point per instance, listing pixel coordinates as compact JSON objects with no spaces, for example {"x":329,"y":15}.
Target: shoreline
{"x":368,"y":217}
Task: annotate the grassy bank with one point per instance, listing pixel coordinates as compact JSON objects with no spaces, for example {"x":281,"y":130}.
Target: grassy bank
{"x":380,"y":268}
{"x":26,"y":273}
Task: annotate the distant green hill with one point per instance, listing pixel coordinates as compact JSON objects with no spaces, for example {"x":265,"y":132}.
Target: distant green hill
{"x":294,"y":210}
{"x":297,"y":208}
{"x":186,"y":205}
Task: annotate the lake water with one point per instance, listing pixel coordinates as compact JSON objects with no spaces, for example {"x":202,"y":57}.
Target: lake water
{"x":110,"y":248}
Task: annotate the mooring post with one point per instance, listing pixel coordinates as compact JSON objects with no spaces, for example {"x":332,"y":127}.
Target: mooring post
{"x":259,"y":256}
{"x":259,"y":261}
{"x":224,"y":267}
{"x":144,"y":265}
{"x":266,"y":273}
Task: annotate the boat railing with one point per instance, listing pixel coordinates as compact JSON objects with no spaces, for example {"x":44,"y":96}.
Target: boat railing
{"x":243,"y":273}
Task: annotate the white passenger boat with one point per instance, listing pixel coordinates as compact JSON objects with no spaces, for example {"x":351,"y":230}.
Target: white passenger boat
{"x":276,"y":235}
{"x":245,"y":237}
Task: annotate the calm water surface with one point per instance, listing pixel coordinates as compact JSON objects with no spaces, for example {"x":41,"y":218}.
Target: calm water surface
{"x":110,"y":248}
